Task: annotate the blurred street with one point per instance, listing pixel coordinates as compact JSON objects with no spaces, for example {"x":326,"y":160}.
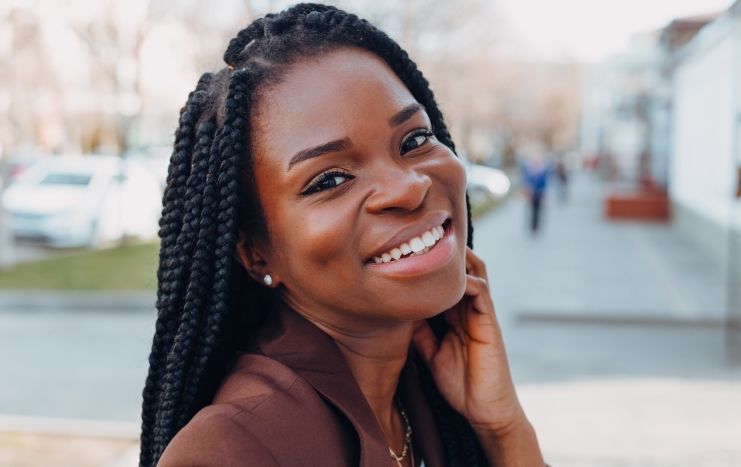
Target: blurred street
{"x":613,"y":336}
{"x":600,"y":144}
{"x":623,"y":372}
{"x":584,"y":267}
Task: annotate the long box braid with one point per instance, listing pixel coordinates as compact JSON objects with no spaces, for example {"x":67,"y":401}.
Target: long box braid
{"x":206,"y":302}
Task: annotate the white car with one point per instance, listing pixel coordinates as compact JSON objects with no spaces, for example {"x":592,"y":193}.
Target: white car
{"x":73,"y":201}
{"x":486,"y":184}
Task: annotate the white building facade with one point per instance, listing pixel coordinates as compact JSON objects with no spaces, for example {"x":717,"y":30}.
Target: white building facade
{"x":706,"y":134}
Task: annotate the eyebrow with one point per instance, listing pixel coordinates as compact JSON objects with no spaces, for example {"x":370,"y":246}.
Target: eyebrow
{"x":310,"y":153}
{"x":342,"y":144}
{"x":405,"y":114}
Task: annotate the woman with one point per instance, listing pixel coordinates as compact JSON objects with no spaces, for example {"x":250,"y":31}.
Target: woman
{"x":314,"y":235}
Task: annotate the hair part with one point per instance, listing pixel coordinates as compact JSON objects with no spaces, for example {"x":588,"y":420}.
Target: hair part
{"x":203,"y":292}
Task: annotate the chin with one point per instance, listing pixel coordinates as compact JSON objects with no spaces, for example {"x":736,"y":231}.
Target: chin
{"x":431,"y":299}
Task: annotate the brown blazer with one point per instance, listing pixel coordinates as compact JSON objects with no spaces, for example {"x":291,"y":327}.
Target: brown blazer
{"x":292,"y":401}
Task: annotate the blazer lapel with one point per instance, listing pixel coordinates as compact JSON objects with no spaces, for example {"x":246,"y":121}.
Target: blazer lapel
{"x":292,"y":340}
{"x":426,"y":438}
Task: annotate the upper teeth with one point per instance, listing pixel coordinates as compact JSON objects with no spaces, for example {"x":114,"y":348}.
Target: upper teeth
{"x":416,"y":246}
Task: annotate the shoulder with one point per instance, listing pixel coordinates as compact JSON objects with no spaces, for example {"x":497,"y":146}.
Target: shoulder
{"x":264,"y":414}
{"x":214,"y":438}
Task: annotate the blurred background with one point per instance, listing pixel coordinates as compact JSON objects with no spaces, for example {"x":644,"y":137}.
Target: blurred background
{"x":602,"y":142}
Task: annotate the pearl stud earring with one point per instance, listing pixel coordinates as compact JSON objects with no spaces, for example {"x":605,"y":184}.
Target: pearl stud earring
{"x":268,"y":280}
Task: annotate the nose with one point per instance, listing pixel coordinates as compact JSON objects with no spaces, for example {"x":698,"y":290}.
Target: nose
{"x":397,"y":189}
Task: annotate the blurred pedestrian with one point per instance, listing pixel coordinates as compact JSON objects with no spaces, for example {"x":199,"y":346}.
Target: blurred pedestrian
{"x":535,"y":177}
{"x":562,"y":176}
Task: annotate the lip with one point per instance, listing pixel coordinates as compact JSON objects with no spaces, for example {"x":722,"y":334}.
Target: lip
{"x":420,"y":265}
{"x":410,"y":232}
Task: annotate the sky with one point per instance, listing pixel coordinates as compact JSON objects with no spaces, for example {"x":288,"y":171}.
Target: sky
{"x":591,"y":30}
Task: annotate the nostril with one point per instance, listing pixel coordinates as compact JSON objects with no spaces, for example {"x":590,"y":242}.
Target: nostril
{"x":398,"y":191}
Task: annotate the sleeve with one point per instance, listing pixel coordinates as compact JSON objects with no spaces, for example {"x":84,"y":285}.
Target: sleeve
{"x":215,"y":440}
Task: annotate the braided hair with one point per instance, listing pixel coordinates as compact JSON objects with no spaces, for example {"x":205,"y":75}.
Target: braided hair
{"x":207,"y":303}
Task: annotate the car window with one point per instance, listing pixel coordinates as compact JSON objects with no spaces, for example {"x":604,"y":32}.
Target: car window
{"x":66,"y":179}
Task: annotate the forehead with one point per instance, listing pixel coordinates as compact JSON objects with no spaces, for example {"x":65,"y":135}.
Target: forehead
{"x":327,"y":98}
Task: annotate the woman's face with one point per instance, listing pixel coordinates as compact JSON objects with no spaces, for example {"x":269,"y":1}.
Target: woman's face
{"x":349,"y":174}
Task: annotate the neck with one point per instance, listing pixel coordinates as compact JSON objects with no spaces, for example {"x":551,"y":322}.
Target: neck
{"x":376,"y":359}
{"x":376,"y":356}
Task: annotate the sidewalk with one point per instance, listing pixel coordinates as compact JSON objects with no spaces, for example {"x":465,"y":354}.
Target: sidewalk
{"x":40,"y":442}
{"x":26,"y":300}
{"x":650,"y":422}
{"x":613,"y":335}
{"x":583,"y":267}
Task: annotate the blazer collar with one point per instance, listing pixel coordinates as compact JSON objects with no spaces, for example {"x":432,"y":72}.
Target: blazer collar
{"x":426,"y":438}
{"x":292,"y":340}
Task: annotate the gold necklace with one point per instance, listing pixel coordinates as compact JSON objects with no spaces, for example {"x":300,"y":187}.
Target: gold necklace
{"x":407,"y":440}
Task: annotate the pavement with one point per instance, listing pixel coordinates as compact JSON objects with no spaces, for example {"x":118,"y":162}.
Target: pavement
{"x":585,"y":268}
{"x":615,"y":337}
{"x":613,"y":333}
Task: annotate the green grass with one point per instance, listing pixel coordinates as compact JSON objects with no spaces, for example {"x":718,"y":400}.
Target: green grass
{"x":479,"y":209}
{"x":129,"y":267}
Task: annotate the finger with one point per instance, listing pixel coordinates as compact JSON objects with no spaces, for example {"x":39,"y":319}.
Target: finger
{"x":475,"y":285}
{"x":480,"y":298}
{"x":424,"y":340}
{"x":474,"y":265}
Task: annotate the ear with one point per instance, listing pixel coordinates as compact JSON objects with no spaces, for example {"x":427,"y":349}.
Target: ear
{"x":252,"y":256}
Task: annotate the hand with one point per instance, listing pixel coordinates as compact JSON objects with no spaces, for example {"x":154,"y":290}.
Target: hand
{"x":470,"y":369}
{"x":470,"y":365}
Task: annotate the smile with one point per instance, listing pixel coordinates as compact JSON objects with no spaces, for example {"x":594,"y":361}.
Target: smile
{"x":416,"y":246}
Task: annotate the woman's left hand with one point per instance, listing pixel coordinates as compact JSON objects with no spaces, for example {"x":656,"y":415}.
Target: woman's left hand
{"x":470,"y":366}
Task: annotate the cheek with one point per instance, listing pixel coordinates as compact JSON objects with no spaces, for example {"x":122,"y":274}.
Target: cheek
{"x":458,"y":182}
{"x":312,"y":238}
{"x":448,"y":169}
{"x":450,"y":174}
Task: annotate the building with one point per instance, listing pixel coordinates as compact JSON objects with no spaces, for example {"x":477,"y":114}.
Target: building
{"x":665,"y":117}
{"x":627,"y":104}
{"x":704,"y":170}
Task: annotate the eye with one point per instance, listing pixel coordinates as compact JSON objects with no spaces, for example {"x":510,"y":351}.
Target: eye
{"x":327,"y":181}
{"x":416,"y":139}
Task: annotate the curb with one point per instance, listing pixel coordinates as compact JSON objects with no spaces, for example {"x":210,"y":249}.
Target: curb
{"x":42,"y":300}
{"x":70,"y":427}
{"x":618,"y":319}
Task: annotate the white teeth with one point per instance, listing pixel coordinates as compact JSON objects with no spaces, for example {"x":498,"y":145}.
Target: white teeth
{"x":428,"y":239}
{"x":396,"y":253}
{"x":417,"y":244}
{"x":414,"y":247}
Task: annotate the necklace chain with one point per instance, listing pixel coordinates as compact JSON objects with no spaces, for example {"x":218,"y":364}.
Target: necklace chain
{"x":407,"y":439}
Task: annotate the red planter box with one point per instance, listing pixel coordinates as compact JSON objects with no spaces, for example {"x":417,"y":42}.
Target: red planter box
{"x":637,"y":206}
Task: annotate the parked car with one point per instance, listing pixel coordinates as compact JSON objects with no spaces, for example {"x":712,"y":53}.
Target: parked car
{"x":72,"y":201}
{"x":156,"y":159}
{"x":486,"y":184}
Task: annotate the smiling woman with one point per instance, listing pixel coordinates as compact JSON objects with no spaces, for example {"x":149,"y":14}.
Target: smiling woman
{"x":314,"y":235}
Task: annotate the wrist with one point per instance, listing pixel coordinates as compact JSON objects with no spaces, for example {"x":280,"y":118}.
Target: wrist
{"x":501,"y":423}
{"x":512,"y":444}
{"x":502,"y":429}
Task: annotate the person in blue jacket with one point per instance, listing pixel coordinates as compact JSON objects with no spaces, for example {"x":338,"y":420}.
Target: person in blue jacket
{"x":535,"y":180}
